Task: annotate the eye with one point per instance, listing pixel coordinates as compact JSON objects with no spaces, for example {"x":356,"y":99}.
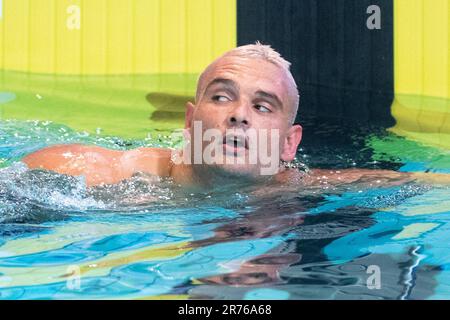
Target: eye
{"x":262,"y":108}
{"x":220,"y":98}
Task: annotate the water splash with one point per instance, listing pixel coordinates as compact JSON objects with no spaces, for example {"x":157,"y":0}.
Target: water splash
{"x":38,"y":195}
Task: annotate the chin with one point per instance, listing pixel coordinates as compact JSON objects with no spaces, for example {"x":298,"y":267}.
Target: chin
{"x":241,"y":171}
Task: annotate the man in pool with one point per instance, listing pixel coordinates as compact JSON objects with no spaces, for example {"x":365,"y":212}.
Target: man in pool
{"x":246,"y":96}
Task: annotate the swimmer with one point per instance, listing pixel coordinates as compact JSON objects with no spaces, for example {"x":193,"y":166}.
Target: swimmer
{"x":248,"y":89}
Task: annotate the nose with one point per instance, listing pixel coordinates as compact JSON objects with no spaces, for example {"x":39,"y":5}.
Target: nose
{"x":238,"y":117}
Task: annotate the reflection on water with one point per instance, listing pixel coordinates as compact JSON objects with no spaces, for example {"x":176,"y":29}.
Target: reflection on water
{"x":145,"y":237}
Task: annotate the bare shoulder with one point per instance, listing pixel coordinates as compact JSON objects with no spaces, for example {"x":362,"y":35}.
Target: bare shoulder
{"x":57,"y":155}
{"x":100,"y":165}
{"x":156,"y":161}
{"x":52,"y":150}
{"x":156,"y":152}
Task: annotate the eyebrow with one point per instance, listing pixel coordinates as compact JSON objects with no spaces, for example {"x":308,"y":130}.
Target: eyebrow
{"x":233,"y":86}
{"x":227,"y":83}
{"x":270,"y":96}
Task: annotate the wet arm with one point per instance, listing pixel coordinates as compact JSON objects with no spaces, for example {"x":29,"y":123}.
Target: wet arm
{"x":100,"y":165}
{"x":381,"y":177}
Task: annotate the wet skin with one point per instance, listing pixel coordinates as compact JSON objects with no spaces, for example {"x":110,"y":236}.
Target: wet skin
{"x":233,"y":93}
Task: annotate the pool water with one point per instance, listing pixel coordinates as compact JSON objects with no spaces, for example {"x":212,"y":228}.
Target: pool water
{"x":146,"y":240}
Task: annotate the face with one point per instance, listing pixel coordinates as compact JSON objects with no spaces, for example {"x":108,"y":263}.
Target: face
{"x":250,"y":102}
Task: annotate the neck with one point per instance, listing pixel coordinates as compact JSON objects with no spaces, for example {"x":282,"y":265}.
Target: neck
{"x":203,"y":178}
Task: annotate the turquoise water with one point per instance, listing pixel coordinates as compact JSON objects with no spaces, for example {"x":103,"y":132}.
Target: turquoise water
{"x":61,"y":240}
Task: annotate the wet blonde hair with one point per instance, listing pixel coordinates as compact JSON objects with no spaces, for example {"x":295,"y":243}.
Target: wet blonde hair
{"x":259,"y":51}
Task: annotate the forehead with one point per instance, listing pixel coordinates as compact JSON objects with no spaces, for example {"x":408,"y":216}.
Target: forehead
{"x":250,"y":74}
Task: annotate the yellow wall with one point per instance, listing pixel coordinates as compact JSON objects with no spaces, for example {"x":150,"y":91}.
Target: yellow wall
{"x":115,"y":36}
{"x":422,"y":70}
{"x":422,"y":51}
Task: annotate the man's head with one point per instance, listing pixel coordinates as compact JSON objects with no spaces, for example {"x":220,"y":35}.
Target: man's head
{"x":248,"y":89}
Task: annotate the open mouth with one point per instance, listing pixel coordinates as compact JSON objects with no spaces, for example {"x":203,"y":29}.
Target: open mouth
{"x":235,"y":143}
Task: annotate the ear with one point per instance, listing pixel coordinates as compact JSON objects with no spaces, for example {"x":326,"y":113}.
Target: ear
{"x":291,"y":143}
{"x":189,"y":115}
